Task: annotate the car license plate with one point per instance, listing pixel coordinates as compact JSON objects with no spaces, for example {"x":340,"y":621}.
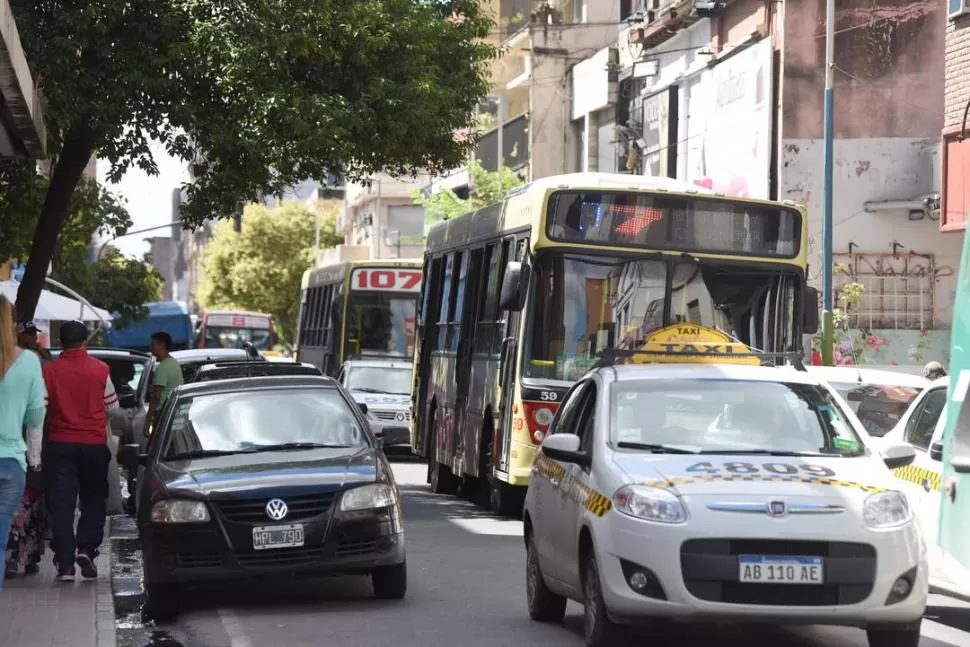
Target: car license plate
{"x":780,"y":569}
{"x":277,"y":536}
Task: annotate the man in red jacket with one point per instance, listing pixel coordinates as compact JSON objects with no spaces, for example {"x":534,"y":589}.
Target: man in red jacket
{"x":76,"y":458}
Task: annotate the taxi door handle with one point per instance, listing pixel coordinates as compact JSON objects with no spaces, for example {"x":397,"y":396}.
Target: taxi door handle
{"x":926,"y":485}
{"x":555,"y":482}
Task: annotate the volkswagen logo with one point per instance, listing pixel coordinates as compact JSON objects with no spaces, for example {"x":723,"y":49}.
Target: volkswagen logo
{"x":400,"y":416}
{"x":777,"y":508}
{"x":276,"y":509}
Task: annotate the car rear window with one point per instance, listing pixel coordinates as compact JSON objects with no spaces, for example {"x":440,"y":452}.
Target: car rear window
{"x":879,"y":406}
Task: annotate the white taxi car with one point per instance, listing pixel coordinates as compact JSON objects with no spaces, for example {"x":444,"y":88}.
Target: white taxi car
{"x":720,"y":492}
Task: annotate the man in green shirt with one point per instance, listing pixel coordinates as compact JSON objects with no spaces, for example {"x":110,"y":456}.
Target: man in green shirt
{"x":168,"y":376}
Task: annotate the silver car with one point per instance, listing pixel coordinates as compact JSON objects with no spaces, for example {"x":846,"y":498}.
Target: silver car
{"x":384,"y":388}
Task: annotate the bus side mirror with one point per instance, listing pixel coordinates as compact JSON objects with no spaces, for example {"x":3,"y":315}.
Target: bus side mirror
{"x":810,"y":320}
{"x":515,"y":286}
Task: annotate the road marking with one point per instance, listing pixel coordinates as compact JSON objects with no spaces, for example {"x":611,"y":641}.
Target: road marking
{"x":486,"y":526}
{"x":234,"y":629}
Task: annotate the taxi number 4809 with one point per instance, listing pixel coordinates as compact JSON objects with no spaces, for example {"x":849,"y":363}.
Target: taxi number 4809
{"x":782,"y":469}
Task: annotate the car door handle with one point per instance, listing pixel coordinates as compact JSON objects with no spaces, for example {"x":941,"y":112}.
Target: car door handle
{"x":554,"y":482}
{"x":926,"y":485}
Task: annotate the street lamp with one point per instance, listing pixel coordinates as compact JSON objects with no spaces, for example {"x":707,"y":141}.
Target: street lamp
{"x":132,"y":233}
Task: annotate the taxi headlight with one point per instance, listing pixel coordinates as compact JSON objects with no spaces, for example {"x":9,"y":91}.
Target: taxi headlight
{"x":651,"y":504}
{"x":179,"y":511}
{"x":886,"y":510}
{"x":368,"y":497}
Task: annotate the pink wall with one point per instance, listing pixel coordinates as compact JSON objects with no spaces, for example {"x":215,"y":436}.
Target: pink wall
{"x":891,"y":52}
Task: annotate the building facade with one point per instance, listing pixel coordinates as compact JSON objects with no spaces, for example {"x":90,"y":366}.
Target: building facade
{"x":728,"y":95}
{"x":955,"y":154}
{"x":22,"y":130}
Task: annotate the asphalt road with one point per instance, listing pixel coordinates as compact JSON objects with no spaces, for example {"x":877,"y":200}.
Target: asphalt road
{"x":466,"y":589}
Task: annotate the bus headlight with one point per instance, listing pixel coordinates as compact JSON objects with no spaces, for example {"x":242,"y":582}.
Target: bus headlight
{"x":650,"y":504}
{"x":543,"y":416}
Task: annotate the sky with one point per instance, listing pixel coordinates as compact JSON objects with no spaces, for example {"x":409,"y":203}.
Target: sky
{"x":148,"y":198}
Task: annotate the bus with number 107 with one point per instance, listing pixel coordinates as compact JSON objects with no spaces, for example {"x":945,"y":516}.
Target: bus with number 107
{"x":358,"y":310}
{"x":521,"y":298}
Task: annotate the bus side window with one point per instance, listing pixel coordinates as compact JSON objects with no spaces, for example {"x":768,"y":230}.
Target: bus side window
{"x":499,"y":316}
{"x":445,"y":310}
{"x":487,"y":297}
{"x":457,"y":300}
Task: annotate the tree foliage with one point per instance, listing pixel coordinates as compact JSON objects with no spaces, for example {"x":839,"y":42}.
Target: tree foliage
{"x":257,"y":95}
{"x":115,"y":283}
{"x":488,"y":187}
{"x":261,"y":267}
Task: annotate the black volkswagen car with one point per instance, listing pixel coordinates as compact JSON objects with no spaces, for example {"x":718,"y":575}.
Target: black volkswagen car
{"x":265,"y":476}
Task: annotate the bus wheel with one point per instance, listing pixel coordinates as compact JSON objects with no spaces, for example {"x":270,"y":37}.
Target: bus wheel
{"x":440,"y":476}
{"x":506,"y":500}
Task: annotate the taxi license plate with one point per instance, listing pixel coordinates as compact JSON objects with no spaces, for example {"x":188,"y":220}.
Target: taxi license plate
{"x":760,"y":569}
{"x":265,"y":537}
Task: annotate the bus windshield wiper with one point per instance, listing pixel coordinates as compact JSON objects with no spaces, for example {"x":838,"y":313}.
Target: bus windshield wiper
{"x":656,"y":449}
{"x":205,"y":453}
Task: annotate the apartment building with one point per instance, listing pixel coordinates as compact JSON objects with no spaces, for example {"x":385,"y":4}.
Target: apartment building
{"x":955,"y":196}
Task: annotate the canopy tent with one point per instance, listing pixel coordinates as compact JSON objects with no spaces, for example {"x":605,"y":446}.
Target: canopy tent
{"x":54,"y":307}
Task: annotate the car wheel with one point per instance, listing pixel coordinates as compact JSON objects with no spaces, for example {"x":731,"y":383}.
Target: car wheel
{"x":544,"y":605}
{"x":390,"y":582}
{"x":598,"y":629}
{"x":901,"y":635}
{"x":161,"y":602}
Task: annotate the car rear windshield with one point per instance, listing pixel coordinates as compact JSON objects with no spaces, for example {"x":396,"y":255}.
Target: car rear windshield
{"x":260,"y":420}
{"x":375,"y":379}
{"x":732,"y":416}
{"x":879,"y":406}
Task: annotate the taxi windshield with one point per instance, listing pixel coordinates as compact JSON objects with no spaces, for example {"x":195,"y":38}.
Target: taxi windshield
{"x":731,"y":416}
{"x":879,"y":406}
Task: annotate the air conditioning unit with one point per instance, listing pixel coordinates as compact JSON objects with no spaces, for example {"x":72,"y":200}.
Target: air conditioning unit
{"x":957,"y":8}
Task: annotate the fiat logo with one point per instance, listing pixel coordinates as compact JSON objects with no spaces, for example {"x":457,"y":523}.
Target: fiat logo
{"x":276,"y":509}
{"x":777,"y":508}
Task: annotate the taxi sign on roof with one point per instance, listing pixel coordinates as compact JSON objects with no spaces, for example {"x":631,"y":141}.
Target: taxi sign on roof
{"x":691,"y":343}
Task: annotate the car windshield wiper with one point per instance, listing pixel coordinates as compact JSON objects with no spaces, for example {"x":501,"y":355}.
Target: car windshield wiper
{"x":657,"y":449}
{"x":762,"y":452}
{"x":205,"y":453}
{"x":282,"y":447}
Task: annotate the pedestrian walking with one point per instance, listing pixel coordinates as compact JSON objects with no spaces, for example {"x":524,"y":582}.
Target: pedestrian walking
{"x":168,"y":376}
{"x":77,"y":455}
{"x":22,"y":395}
{"x":27,"y":337}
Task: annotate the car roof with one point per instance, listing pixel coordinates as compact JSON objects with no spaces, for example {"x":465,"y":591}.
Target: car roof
{"x":711,"y":371}
{"x":206,"y":354}
{"x":378,"y":363}
{"x":868,"y":376}
{"x":265,"y":368}
{"x":120,"y":353}
{"x":236,"y":385}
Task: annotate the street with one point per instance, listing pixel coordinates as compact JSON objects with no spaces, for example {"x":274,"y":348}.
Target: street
{"x":466,"y":589}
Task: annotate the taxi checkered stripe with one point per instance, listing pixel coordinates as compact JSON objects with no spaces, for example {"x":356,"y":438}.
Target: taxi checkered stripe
{"x":576,"y":490}
{"x":919,"y":475}
{"x":774,"y":478}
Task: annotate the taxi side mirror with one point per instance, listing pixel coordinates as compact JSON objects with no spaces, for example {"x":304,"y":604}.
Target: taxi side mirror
{"x":363,"y":407}
{"x":565,"y":449}
{"x":936,"y":451}
{"x":897,"y":455}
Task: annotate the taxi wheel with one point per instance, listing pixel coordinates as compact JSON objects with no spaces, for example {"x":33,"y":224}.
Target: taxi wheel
{"x":544,"y":605}
{"x":903,"y":635}
{"x":390,"y":582}
{"x":598,"y":629}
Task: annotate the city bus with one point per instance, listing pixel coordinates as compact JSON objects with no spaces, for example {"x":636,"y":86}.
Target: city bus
{"x":233,"y":328}
{"x":952,"y":575}
{"x":520,"y":298}
{"x":358,"y":310}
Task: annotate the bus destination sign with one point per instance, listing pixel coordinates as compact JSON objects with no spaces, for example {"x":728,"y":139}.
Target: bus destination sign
{"x":389,"y":280}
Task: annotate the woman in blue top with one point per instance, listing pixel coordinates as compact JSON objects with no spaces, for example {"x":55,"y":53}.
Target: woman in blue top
{"x":22,"y":395}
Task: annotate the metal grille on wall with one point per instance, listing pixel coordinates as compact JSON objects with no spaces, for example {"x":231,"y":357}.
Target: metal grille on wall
{"x":899,"y":289}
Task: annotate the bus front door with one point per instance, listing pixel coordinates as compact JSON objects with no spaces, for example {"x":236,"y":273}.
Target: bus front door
{"x":952,"y":570}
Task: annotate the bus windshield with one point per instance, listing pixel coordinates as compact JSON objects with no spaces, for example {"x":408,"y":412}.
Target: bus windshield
{"x":230,"y":337}
{"x":380,"y":325}
{"x":584,"y":304}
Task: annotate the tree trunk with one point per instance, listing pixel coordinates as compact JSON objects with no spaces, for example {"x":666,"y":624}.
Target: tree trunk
{"x":65,"y":176}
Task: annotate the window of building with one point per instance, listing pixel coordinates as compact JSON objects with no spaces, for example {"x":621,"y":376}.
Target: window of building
{"x":899,"y":290}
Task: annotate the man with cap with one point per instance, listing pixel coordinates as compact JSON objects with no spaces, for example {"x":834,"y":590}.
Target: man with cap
{"x":27,"y":338}
{"x":80,"y":394}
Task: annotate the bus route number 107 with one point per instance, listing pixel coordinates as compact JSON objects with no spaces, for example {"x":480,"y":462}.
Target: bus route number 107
{"x":396,"y":280}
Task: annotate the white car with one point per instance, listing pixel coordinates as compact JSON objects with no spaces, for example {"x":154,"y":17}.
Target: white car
{"x":719,"y":492}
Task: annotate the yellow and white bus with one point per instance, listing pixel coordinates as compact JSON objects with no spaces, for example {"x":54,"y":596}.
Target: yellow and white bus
{"x":520,"y":299}
{"x":358,"y":310}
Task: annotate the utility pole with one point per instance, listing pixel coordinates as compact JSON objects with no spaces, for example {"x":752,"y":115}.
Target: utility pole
{"x":377,"y":219}
{"x":500,"y":160}
{"x":829,"y":134}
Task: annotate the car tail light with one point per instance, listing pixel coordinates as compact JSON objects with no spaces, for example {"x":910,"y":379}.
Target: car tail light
{"x":538,"y":417}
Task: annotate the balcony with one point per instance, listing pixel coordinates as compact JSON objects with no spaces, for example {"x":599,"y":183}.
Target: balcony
{"x":515,"y":145}
{"x":516,"y":15}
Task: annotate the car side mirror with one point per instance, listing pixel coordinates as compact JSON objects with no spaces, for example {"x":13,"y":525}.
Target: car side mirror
{"x":515,"y":286}
{"x":897,"y":455}
{"x":128,"y":401}
{"x":565,"y":449}
{"x":810,"y":320}
{"x":131,"y":457}
{"x":363,"y":407}
{"x":936,"y":451}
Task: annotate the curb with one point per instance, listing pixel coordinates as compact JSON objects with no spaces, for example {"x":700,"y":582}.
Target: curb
{"x":105,"y":609}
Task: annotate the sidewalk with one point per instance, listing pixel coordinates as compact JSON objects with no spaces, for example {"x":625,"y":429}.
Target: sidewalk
{"x":36,"y":611}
